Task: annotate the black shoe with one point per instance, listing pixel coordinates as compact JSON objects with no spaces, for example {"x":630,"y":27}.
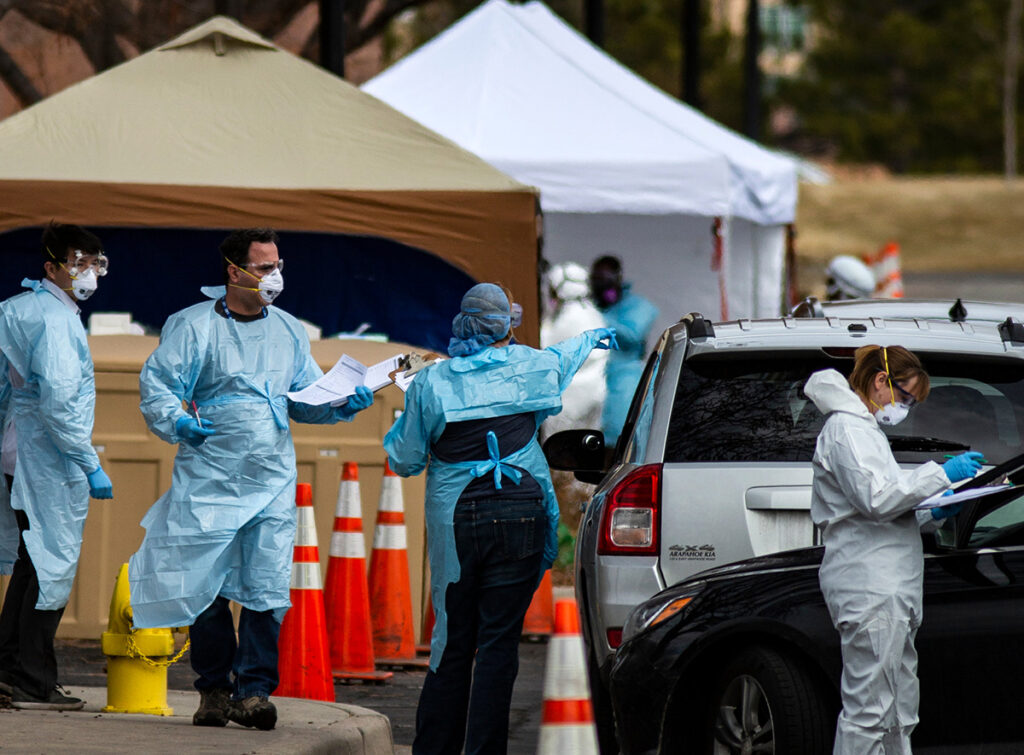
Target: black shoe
{"x":7,"y":682}
{"x":256,"y":712}
{"x":213,"y":708}
{"x":56,"y":700}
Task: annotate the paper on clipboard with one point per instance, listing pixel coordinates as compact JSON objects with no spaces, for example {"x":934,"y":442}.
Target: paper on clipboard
{"x":341,"y":380}
{"x":404,"y":379}
{"x":939,"y":500}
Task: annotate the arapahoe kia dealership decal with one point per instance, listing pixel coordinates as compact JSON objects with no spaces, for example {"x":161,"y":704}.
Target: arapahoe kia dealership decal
{"x":691,"y":553}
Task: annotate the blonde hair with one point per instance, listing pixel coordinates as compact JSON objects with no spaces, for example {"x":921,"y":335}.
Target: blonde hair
{"x":898,"y":363}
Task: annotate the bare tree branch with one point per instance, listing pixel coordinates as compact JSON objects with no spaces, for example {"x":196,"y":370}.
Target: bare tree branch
{"x":359,"y":36}
{"x":15,"y":78}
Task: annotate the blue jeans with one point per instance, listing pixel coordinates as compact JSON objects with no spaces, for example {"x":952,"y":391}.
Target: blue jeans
{"x":215,"y":655}
{"x":500,"y":545}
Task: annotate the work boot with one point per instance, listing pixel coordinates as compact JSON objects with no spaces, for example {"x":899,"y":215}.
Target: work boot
{"x":7,"y":682}
{"x":213,"y":708}
{"x":256,"y":712}
{"x":55,"y":700}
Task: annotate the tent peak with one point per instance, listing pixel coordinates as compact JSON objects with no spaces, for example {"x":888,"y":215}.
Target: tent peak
{"x":216,"y":31}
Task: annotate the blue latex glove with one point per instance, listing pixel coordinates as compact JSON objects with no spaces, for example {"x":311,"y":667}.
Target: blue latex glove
{"x":362,"y":399}
{"x":606,"y":333}
{"x":100,"y":485}
{"x":963,"y":466}
{"x":194,"y":431}
{"x":945,"y":512}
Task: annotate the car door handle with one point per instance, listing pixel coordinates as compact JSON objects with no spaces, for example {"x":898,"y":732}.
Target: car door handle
{"x":779,"y":498}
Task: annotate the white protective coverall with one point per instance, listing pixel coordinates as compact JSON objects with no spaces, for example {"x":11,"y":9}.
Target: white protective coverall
{"x":572,"y":312}
{"x":872,"y":571}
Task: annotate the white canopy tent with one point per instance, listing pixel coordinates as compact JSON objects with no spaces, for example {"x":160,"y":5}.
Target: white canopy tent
{"x":622,"y":167}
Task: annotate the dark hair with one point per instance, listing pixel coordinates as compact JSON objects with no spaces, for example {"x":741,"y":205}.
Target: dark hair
{"x":608,"y":263}
{"x":899,"y":363}
{"x":234,"y":250}
{"x":59,"y":239}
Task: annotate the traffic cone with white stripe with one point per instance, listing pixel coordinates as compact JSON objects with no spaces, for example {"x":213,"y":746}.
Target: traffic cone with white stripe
{"x":390,"y":597}
{"x":567,"y":721}
{"x":885,"y":264}
{"x":346,"y":593}
{"x":304,"y":664}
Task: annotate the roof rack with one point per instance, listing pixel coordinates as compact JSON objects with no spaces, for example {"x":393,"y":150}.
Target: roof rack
{"x":916,"y":309}
{"x":697,"y":326}
{"x":809,"y":307}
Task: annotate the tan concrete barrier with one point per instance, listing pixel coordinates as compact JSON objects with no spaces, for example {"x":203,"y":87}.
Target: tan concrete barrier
{"x":139,"y":464}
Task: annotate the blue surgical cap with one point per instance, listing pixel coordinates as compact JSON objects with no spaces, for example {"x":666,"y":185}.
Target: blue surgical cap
{"x":485,"y":317}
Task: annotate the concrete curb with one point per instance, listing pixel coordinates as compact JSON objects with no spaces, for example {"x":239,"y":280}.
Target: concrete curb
{"x":303,"y":726}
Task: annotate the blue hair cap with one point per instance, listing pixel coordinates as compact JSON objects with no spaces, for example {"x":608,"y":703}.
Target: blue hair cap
{"x":484,"y":317}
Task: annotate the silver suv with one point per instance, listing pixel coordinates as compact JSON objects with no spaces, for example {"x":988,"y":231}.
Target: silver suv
{"x":714,"y":462}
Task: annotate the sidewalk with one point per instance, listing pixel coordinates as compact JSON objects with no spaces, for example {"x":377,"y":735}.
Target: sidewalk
{"x":303,"y":726}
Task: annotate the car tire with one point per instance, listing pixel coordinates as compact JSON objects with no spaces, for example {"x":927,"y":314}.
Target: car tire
{"x":767,"y":702}
{"x":604,"y":716}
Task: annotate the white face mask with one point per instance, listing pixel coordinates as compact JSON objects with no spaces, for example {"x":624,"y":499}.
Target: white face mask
{"x":84,"y":284}
{"x":270,"y":286}
{"x":891,"y":414}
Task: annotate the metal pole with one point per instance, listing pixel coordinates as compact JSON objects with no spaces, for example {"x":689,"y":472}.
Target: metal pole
{"x":691,"y":53}
{"x":752,"y":73}
{"x":593,"y":13}
{"x":332,"y":36}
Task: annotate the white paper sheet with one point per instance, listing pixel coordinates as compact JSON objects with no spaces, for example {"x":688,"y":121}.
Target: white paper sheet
{"x":341,"y":380}
{"x":938,"y":500}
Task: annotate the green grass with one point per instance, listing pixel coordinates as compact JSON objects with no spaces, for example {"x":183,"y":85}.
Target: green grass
{"x":941,"y":224}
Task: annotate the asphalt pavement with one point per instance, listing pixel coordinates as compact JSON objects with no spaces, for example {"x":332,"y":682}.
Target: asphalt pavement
{"x":302,"y":726}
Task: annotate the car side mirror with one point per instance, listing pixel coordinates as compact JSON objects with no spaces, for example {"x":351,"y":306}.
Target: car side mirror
{"x":579,"y":451}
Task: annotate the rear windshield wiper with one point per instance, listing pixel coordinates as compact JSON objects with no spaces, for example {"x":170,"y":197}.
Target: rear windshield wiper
{"x":923,"y":444}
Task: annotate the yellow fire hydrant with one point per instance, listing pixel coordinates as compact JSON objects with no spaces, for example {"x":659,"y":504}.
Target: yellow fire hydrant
{"x":137,"y":659}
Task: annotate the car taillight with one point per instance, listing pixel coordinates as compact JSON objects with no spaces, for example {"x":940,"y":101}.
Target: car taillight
{"x":614,"y":637}
{"x":632,"y":514}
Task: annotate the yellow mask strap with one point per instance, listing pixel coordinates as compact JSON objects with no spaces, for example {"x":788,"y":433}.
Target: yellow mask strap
{"x":888,"y":377}
{"x":243,"y":270}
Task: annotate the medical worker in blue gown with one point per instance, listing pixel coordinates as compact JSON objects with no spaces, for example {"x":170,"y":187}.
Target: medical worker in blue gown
{"x":632,"y":316}
{"x":47,"y":399}
{"x":225,"y":529}
{"x":491,"y":512}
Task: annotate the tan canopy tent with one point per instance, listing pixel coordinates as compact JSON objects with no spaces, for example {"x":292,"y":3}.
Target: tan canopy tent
{"x":219,"y":128}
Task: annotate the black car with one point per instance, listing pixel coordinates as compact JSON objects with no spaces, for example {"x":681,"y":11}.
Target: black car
{"x":744,"y":658}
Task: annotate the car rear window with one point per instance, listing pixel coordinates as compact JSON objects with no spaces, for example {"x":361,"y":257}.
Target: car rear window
{"x":751,"y":407}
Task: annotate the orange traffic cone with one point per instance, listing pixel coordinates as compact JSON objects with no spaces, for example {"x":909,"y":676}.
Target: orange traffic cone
{"x":540,"y":616}
{"x":567,"y":720}
{"x":346,"y":593}
{"x":304,"y":664}
{"x":888,"y":270}
{"x":390,"y":598}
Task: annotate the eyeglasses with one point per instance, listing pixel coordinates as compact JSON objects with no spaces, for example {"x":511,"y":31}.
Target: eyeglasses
{"x":264,"y":269}
{"x":84,"y":262}
{"x":907,"y":398}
